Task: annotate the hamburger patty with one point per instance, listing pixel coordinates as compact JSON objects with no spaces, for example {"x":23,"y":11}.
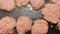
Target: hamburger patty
{"x":40,"y":27}
{"x":51,"y":13}
{"x":7,"y":25}
{"x":20,"y":3}
{"x":24,"y":24}
{"x":37,"y":4}
{"x":7,"y":5}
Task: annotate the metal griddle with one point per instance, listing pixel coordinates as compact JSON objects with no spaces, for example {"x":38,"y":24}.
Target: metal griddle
{"x":33,"y":14}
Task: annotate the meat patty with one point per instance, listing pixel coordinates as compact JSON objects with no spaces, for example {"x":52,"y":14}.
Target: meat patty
{"x":20,"y":3}
{"x":24,"y":24}
{"x":56,"y":2}
{"x":37,"y":4}
{"x":7,"y":5}
{"x":7,"y":25}
{"x":51,"y":13}
{"x":40,"y":27}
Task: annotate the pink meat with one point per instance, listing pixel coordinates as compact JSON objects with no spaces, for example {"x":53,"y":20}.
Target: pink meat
{"x":8,"y":26}
{"x":3,"y":21}
{"x":20,"y":3}
{"x":57,"y":2}
{"x":7,"y":5}
{"x":24,"y":24}
{"x":40,"y":27}
{"x":37,"y":4}
{"x":51,"y":13}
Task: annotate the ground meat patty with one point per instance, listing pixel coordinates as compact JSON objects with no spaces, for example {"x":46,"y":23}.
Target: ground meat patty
{"x":7,"y":25}
{"x":7,"y":5}
{"x":24,"y":24}
{"x":56,"y":2}
{"x":37,"y":4}
{"x":40,"y":27}
{"x":51,"y":13}
{"x":58,"y":25}
{"x":21,"y":3}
